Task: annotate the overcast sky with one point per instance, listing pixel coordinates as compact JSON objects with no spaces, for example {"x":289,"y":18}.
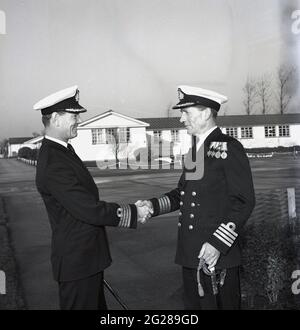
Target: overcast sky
{"x":130,"y":55}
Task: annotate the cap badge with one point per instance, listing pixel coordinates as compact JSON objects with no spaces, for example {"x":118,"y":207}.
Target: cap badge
{"x":180,"y":95}
{"x":77,"y":95}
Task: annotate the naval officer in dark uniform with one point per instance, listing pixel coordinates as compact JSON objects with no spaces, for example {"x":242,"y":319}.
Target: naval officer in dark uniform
{"x":80,"y":250}
{"x":215,"y":197}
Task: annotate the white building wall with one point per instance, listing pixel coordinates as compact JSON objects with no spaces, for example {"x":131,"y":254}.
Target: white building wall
{"x":137,"y":142}
{"x":179,"y":148}
{"x":185,"y":142}
{"x":260,"y":141}
{"x":295,"y":135}
{"x":166,"y":135}
{"x":84,"y":147}
{"x":89,"y":152}
{"x":93,"y":152}
{"x":31,"y":145}
{"x":13,"y":149}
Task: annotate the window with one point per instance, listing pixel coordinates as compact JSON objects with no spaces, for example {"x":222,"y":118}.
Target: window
{"x":157,"y":136}
{"x":111,"y":135}
{"x":246,"y":133}
{"x":284,"y":130}
{"x":108,"y":135}
{"x":128,"y":136}
{"x":232,"y":131}
{"x":270,"y":131}
{"x":175,"y":135}
{"x":98,"y":136}
{"x":124,"y":135}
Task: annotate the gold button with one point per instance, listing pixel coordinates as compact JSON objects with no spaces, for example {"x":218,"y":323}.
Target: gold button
{"x":180,"y":214}
{"x":191,"y":227}
{"x":181,"y":203}
{"x":179,"y":224}
{"x":194,"y":193}
{"x":182,"y":193}
{"x":193,"y":204}
{"x":192,"y":216}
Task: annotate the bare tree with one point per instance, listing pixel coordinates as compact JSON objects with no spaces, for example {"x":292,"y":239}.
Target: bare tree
{"x":170,"y":109}
{"x":118,"y":142}
{"x":225,"y":110}
{"x":284,"y":75}
{"x":250,"y":93}
{"x":263,"y":87}
{"x":114,"y":141}
{"x":3,"y":147}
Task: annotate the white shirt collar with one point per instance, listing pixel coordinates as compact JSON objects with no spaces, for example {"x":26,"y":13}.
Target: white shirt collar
{"x":202,"y":137}
{"x":56,"y":140}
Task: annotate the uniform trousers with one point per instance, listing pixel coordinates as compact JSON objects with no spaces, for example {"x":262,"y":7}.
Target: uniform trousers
{"x":83,"y":294}
{"x":228,"y":297}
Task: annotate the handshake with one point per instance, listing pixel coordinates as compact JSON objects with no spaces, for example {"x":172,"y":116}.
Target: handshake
{"x":144,"y":210}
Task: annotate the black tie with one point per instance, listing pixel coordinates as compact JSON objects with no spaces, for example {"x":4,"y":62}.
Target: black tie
{"x":71,"y":149}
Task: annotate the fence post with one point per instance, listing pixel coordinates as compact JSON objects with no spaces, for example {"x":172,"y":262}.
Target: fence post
{"x":291,"y":203}
{"x":2,"y":282}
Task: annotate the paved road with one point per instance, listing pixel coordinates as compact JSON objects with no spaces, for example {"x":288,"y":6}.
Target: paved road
{"x":143,"y":271}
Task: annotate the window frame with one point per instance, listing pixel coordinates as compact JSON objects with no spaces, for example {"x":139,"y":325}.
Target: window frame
{"x":245,"y":132}
{"x":228,"y":132}
{"x":96,"y":136}
{"x":284,"y":128}
{"x":157,"y":139}
{"x":175,"y":136}
{"x":267,"y":131}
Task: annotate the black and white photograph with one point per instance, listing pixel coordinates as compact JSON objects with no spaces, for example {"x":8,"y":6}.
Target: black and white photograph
{"x":150,"y":156}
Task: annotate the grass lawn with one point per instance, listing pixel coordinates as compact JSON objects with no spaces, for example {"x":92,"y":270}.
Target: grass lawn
{"x":12,"y":299}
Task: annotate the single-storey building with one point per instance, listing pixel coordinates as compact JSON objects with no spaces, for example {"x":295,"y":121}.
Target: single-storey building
{"x":14,"y":144}
{"x":35,"y":142}
{"x":100,"y":137}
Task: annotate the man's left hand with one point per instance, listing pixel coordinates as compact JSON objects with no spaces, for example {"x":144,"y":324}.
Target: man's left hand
{"x":144,"y":210}
{"x":210,"y":254}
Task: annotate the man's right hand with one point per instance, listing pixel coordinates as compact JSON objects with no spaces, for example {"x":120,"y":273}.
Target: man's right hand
{"x":144,"y":210}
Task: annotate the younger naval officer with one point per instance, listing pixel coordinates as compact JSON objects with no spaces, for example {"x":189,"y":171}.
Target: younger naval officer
{"x":80,"y":250}
{"x":214,"y":205}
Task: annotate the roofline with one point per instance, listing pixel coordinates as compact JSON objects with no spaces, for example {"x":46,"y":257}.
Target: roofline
{"x":236,"y":121}
{"x":17,"y":138}
{"x":109,"y":112}
{"x":32,"y":141}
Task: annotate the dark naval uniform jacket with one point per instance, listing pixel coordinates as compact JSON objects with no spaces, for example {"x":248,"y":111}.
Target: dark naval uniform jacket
{"x":77,"y":216}
{"x":215,"y":199}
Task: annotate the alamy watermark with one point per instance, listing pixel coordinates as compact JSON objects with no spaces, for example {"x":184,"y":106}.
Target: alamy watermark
{"x":2,"y":282}
{"x":154,"y":156}
{"x":296,"y":284}
{"x":296,"y":21}
{"x":2,"y":22}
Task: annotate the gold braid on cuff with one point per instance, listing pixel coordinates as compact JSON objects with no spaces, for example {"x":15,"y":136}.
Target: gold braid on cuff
{"x":164,"y":204}
{"x":124,"y":213}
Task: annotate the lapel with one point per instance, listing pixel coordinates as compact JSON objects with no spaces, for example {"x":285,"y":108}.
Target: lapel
{"x":213,"y":136}
{"x":83,"y":173}
{"x":51,"y":144}
{"x":195,"y":160}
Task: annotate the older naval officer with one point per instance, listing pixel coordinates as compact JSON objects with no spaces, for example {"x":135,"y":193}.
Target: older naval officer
{"x":214,"y":205}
